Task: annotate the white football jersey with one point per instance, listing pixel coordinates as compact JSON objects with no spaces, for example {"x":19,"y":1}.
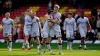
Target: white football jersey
{"x":7,"y":25}
{"x":82,"y":23}
{"x":70,"y":24}
{"x":57,"y":16}
{"x":35,"y":25}
{"x":28,"y":20}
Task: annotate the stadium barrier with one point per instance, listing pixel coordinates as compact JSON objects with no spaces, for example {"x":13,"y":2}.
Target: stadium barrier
{"x":56,"y":41}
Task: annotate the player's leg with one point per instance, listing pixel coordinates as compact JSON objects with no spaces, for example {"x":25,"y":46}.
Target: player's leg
{"x":25,"y":42}
{"x":10,"y":42}
{"x":71,"y":40}
{"x":42,"y":42}
{"x":6,"y":39}
{"x":83,"y":35}
{"x":70,"y":44}
{"x":83,"y":43}
{"x":60,"y":45}
{"x":44,"y":35}
{"x":68,"y":40}
{"x":31,"y":43}
{"x":38,"y":44}
{"x":48,"y":40}
{"x":58,"y":35}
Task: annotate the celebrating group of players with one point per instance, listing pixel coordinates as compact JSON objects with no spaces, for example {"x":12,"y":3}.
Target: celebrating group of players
{"x":51,"y":28}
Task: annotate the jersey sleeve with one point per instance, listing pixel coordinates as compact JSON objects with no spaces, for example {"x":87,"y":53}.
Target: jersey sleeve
{"x":87,"y":20}
{"x":26,"y":20}
{"x":12,"y":22}
{"x":37,"y":20}
{"x":59,"y":17}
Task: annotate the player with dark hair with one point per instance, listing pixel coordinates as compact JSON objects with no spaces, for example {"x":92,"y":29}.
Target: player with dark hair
{"x":69,"y":30}
{"x":82,"y":27}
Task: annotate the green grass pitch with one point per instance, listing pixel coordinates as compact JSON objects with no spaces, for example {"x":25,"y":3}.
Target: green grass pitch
{"x":93,"y":50}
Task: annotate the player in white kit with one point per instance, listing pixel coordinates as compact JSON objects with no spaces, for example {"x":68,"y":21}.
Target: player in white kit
{"x":36,"y":29}
{"x":82,"y":27}
{"x":46,"y":31}
{"x":69,"y":30}
{"x":8,"y":25}
{"x":27,"y":29}
{"x":56,"y":31}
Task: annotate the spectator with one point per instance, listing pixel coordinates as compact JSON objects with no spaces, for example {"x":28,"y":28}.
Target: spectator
{"x":61,"y":25}
{"x":94,"y":12}
{"x":92,"y":34}
{"x":50,"y":5}
{"x":16,"y":32}
{"x":22,"y":18}
{"x":0,"y":7}
{"x":9,"y":5}
{"x":75,"y":16}
{"x":5,"y":6}
{"x":93,"y":22}
{"x":98,"y":24}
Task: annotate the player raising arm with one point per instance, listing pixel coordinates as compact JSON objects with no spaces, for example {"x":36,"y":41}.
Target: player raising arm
{"x":46,"y":31}
{"x":55,"y":30}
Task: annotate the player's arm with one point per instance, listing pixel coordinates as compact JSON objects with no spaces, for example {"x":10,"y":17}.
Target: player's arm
{"x":77,"y":26}
{"x":64,"y":27}
{"x":13,"y":27}
{"x":74,"y":27}
{"x":57,"y":20}
{"x":40,"y":27}
{"x":88,"y":23}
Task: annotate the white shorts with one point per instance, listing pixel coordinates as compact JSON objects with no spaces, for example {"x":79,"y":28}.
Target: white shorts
{"x":7,"y":34}
{"x":44,"y":34}
{"x":55,"y":31}
{"x":82,"y":33}
{"x":70,"y":34}
{"x":35,"y":34}
{"x":27,"y":30}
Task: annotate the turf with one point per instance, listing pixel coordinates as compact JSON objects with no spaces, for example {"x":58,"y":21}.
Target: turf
{"x":93,"y":50}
